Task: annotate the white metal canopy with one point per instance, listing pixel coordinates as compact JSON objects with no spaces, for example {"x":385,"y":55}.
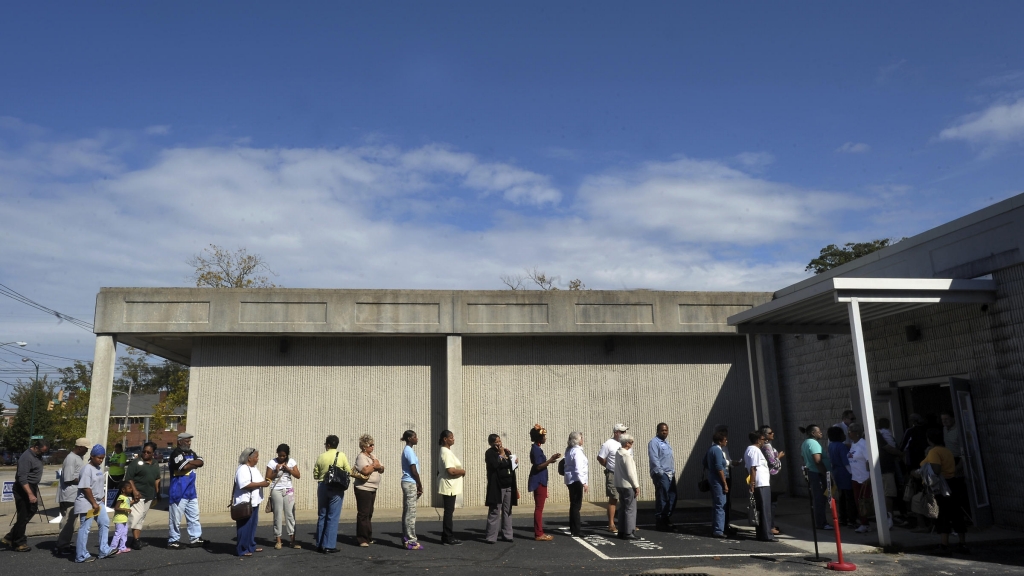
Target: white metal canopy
{"x":840,"y":306}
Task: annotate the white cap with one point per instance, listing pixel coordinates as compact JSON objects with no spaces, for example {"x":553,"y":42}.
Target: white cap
{"x":620,"y":427}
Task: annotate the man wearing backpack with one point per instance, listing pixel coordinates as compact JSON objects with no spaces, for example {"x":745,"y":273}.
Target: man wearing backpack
{"x":329,"y":496}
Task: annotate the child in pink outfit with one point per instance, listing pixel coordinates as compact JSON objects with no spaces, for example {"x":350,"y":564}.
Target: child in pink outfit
{"x":122,"y":507}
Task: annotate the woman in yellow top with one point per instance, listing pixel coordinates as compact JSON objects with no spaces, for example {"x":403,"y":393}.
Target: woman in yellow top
{"x":952,"y":508}
{"x":449,"y":486}
{"x":328,"y":499}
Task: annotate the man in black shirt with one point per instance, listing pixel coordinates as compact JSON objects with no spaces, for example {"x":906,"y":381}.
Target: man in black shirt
{"x":26,"y":494}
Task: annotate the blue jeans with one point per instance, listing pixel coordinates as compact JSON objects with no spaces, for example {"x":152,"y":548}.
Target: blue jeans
{"x":190,"y":508}
{"x":82,"y":543}
{"x":817,"y":487}
{"x":664,"y":496}
{"x":328,"y":504}
{"x":718,"y":507}
{"x":246,"y":533}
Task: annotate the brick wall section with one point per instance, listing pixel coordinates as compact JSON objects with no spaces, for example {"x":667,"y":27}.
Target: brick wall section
{"x":815,"y":377}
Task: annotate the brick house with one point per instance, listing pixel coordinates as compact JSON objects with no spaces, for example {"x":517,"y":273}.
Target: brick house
{"x":135,"y":427}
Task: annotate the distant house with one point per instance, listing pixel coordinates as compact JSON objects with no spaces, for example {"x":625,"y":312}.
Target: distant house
{"x":7,"y":415}
{"x":134,"y":428}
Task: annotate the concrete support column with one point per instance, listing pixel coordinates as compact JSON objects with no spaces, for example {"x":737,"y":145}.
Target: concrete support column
{"x":453,"y":396}
{"x":101,"y":389}
{"x":753,"y":379}
{"x":864,"y":388}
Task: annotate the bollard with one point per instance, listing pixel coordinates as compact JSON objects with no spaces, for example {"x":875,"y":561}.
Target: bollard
{"x":841,"y":566}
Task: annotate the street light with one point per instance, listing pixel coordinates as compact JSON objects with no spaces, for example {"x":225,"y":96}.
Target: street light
{"x":32,"y":426}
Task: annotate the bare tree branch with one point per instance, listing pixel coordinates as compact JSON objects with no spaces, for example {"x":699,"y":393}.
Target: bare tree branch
{"x":217,"y":267}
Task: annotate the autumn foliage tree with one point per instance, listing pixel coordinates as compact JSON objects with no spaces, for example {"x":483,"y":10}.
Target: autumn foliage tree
{"x":217,"y":267}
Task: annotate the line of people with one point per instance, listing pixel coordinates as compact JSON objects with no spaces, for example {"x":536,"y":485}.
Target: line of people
{"x":83,"y":484}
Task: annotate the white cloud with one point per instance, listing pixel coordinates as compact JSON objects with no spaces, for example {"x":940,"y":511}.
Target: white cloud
{"x":853,"y":148}
{"x":999,"y":123}
{"x":158,"y":130}
{"x":704,"y":201}
{"x":755,"y":160}
{"x":76,"y":218}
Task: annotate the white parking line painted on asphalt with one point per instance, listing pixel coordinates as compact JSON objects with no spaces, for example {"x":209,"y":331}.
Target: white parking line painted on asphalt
{"x":604,"y":556}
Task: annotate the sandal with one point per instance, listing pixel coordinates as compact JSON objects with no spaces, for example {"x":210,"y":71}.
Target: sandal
{"x":277,"y":546}
{"x":247,"y":554}
{"x":259,"y":549}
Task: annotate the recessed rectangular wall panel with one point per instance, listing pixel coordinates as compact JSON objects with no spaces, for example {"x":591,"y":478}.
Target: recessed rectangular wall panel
{"x":708,"y":314}
{"x":615,"y":314}
{"x":166,"y":312}
{"x":507,"y":313}
{"x":282,"y":313}
{"x":397,"y":313}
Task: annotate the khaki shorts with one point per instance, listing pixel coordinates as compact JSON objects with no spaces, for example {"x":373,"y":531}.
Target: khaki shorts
{"x":138,"y":514}
{"x":609,"y":485}
{"x":889,"y":485}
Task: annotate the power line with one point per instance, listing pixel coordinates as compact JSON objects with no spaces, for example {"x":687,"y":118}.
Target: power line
{"x":13,"y":295}
{"x":27,"y":351}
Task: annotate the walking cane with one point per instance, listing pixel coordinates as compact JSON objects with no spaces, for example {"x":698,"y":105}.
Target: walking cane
{"x":814,"y":529}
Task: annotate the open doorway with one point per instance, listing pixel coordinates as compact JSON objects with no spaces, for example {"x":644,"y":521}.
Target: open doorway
{"x":928,"y":400}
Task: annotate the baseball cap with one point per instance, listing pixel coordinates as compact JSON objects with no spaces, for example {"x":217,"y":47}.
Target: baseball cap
{"x":620,"y":427}
{"x":184,"y":435}
{"x":82,"y":443}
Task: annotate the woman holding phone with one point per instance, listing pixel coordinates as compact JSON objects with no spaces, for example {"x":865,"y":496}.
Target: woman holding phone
{"x":281,"y":471}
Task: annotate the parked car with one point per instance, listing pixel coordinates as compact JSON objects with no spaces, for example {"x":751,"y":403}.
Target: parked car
{"x":133,"y":452}
{"x":164,"y":454}
{"x":9,"y":457}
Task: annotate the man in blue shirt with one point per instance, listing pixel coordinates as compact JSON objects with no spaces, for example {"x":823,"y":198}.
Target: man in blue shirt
{"x":663,"y":473}
{"x":182,"y":494}
{"x":716,"y":464}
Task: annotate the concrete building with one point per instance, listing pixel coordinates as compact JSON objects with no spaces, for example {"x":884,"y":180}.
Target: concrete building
{"x":293,"y":365}
{"x":931,"y":324}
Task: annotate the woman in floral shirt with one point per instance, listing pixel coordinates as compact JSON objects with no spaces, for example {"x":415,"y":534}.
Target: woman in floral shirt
{"x":774,"y":458}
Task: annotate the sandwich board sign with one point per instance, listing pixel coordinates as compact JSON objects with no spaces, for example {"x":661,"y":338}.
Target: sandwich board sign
{"x":8,"y":493}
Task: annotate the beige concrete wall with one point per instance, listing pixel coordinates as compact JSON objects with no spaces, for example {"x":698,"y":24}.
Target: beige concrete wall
{"x":589,"y":384}
{"x":246,"y":392}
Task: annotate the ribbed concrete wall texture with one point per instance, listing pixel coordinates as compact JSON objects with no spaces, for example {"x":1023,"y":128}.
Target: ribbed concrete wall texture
{"x":251,"y":391}
{"x":984,"y":345}
{"x":246,"y":392}
{"x":590,"y":384}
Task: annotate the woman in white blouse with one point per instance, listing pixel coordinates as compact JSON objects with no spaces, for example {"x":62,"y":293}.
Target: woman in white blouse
{"x":576,"y":479}
{"x":249,"y":484}
{"x":860,"y":470}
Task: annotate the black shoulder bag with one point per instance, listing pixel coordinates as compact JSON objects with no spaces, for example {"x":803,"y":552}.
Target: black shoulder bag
{"x":336,"y":478}
{"x":243,"y":510}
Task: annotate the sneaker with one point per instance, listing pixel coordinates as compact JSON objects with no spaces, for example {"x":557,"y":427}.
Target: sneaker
{"x":22,"y":548}
{"x":175,"y":545}
{"x":6,"y":542}
{"x":454,"y":542}
{"x":112,"y":553}
{"x":197,"y":543}
{"x":364,"y":544}
{"x":136,"y":544}
{"x":827,"y":527}
{"x":862,"y":529}
{"x":87,"y":559}
{"x":413,"y":546}
{"x":544,"y":538}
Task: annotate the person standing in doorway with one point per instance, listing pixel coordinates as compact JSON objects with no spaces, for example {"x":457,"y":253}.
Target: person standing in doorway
{"x":449,"y":475}
{"x":26,"y":494}
{"x":818,"y":464}
{"x":848,"y":418}
{"x":953,"y":509}
{"x":91,"y":483}
{"x":951,"y":435}
{"x":502,"y":490}
{"x":663,"y":472}
{"x":606,"y":457}
{"x":915,"y":442}
{"x":760,"y":485}
{"x":538,"y":481}
{"x":577,"y":477}
{"x":412,"y":489}
{"x":116,"y":462}
{"x":69,"y":472}
{"x":183,"y":500}
{"x":144,"y":475}
{"x":328,"y":499}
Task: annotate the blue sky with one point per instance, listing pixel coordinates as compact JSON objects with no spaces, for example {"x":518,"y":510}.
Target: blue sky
{"x":666,"y":146}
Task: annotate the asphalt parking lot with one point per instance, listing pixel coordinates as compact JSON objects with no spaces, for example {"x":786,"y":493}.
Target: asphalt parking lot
{"x":689,"y":550}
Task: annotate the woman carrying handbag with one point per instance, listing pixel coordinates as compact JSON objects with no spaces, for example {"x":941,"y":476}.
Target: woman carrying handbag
{"x":246,"y":499}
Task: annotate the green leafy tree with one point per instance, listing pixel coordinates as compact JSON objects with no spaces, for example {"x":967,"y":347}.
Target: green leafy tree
{"x":177,"y":393}
{"x":217,"y":267}
{"x":25,"y":395}
{"x":71,"y":411}
{"x":832,"y":256}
